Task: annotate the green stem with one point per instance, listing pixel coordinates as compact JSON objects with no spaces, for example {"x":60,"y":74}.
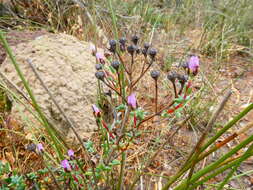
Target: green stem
{"x":233,"y":164}
{"x":241,"y":159}
{"x":26,"y":85}
{"x":211,"y":141}
{"x":211,"y":166}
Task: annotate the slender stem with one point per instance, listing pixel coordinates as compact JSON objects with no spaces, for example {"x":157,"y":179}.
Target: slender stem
{"x":156,"y":96}
{"x":142,"y":74}
{"x":114,"y":90}
{"x":122,"y":170}
{"x":227,"y":126}
{"x":241,"y":159}
{"x":175,"y":89}
{"x":131,"y":73}
{"x":120,"y":88}
{"x":122,"y":62}
{"x":213,"y":165}
{"x":196,"y":151}
{"x":27,"y":87}
{"x":169,"y":139}
{"x":233,"y":164}
{"x":53,"y":176}
{"x":159,"y":112}
{"x":123,"y":155}
{"x":185,"y":167}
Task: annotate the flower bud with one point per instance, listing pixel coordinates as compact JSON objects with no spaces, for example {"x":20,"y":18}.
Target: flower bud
{"x":98,"y":67}
{"x":155,"y":74}
{"x":115,"y":65}
{"x":100,"y":75}
{"x":152,"y":53}
{"x":135,"y":39}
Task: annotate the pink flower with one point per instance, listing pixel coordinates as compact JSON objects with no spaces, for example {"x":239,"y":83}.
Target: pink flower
{"x":70,"y":153}
{"x":193,"y":64}
{"x":40,"y":148}
{"x":100,"y":57}
{"x":131,"y":100}
{"x":96,"y":110}
{"x":93,"y":49}
{"x":65,"y":164}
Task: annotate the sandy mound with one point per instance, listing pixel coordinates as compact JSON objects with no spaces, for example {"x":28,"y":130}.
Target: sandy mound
{"x":67,"y":68}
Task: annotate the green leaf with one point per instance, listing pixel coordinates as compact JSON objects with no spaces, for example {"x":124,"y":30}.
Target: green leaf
{"x":115,"y":162}
{"x":121,"y":107}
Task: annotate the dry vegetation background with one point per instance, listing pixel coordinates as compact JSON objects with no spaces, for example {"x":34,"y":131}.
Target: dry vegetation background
{"x":220,"y":32}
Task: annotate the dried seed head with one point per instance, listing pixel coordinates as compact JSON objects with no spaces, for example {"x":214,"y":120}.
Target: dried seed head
{"x":115,"y":65}
{"x":131,"y":49}
{"x":152,"y":53}
{"x":31,"y":147}
{"x":138,"y":50}
{"x":135,"y":39}
{"x":184,"y":65}
{"x":100,"y":75}
{"x":122,"y":45}
{"x":155,"y":74}
{"x":146,"y":45}
{"x":112,"y":44}
{"x":108,"y":93}
{"x":182,"y":79}
{"x":172,"y":76}
{"x":122,"y":41}
{"x":98,"y":67}
{"x":144,"y":52}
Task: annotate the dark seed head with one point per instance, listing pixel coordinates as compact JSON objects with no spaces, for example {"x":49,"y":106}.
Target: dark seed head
{"x":122,"y":41}
{"x":100,"y":75}
{"x":112,"y":44}
{"x":184,"y":65}
{"x":155,"y":74}
{"x":122,"y":45}
{"x":98,"y":66}
{"x":109,"y":93}
{"x":146,"y":45}
{"x":131,"y":49}
{"x":144,"y":52}
{"x":115,"y":65}
{"x":172,"y":76}
{"x":31,"y":147}
{"x":182,"y":79}
{"x":152,"y":53}
{"x":138,"y":50}
{"x":135,"y":39}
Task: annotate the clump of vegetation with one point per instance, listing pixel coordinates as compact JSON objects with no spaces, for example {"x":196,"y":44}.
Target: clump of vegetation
{"x":129,"y":139}
{"x":103,"y":163}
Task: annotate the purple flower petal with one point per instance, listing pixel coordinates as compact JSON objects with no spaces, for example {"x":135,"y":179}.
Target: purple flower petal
{"x":93,"y":49}
{"x":193,"y":63}
{"x":95,"y":109}
{"x":40,"y":147}
{"x":131,"y":100}
{"x":100,"y":57}
{"x":65,"y":164}
{"x":70,"y":153}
